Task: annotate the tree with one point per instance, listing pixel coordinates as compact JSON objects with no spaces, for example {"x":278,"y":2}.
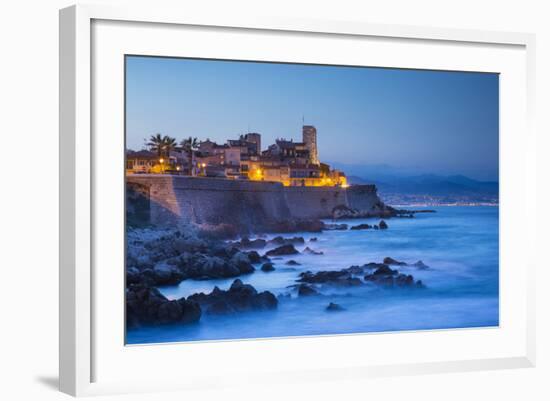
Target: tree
{"x":189,"y":146}
{"x":156,"y":144}
{"x":169,"y":144}
{"x":162,"y":145}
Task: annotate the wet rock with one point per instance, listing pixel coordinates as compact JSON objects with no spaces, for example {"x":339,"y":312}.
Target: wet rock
{"x":238,"y":298}
{"x":373,"y":265}
{"x":305,"y":290}
{"x":336,"y":227}
{"x":313,"y":226}
{"x":257,"y":243}
{"x":355,"y":269}
{"x":254,"y":257}
{"x":383,"y":225}
{"x":242,"y":261}
{"x":285,"y":241}
{"x":267,"y":267}
{"x":222,"y":250}
{"x":391,"y":261}
{"x":145,"y":305}
{"x":376,"y":227}
{"x":292,"y":263}
{"x":331,"y":277}
{"x":393,"y":279}
{"x":384,"y":270}
{"x":313,"y":239}
{"x":420,"y":265}
{"x":361,"y":227}
{"x":161,"y":274}
{"x":312,"y":252}
{"x":282,"y":250}
{"x":332,"y":307}
{"x":205,"y":267}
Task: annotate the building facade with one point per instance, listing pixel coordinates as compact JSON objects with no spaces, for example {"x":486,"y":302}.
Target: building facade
{"x":288,"y":162}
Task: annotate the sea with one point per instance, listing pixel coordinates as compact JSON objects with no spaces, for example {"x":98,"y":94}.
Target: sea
{"x":459,"y":244}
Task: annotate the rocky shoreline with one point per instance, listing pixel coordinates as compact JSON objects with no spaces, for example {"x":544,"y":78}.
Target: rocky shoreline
{"x":166,"y":257}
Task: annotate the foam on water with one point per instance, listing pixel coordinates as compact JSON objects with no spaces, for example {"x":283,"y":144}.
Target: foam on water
{"x":460,"y":244}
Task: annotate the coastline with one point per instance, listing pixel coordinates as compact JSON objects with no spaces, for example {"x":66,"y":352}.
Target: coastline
{"x":347,"y":290}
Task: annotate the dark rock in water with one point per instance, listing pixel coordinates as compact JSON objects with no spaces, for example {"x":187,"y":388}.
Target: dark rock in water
{"x":384,"y":270}
{"x":313,"y":239}
{"x":242,"y":261}
{"x":336,"y":227}
{"x":375,"y":227}
{"x":392,"y":279}
{"x":373,"y":266}
{"x":305,"y":290}
{"x":404,"y":280}
{"x":332,"y":307}
{"x":332,"y":277}
{"x":267,"y":267}
{"x":145,"y":305}
{"x":161,"y":274}
{"x":239,"y":298}
{"x":355,"y":270}
{"x":420,"y":265}
{"x":255,"y":244}
{"x":292,"y":263}
{"x":313,"y":226}
{"x":254,"y":257}
{"x":391,"y":261}
{"x":282,"y":250}
{"x":361,"y":227}
{"x":285,"y":241}
{"x":312,"y":252}
{"x":293,"y":226}
{"x":222,"y":250}
{"x":199,"y":266}
{"x":383,"y":225}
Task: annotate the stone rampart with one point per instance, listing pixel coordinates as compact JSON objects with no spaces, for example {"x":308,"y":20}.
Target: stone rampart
{"x":171,"y":200}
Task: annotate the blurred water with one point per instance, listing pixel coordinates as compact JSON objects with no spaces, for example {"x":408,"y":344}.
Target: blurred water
{"x":460,"y":244}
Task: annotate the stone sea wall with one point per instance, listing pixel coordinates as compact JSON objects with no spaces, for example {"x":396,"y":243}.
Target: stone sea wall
{"x":174,"y":200}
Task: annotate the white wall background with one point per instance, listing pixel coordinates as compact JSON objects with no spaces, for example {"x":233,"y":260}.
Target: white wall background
{"x":29,"y":201}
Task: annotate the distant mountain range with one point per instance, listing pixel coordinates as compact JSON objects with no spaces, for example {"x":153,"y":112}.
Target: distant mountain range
{"x":431,"y":184}
{"x":405,"y":186}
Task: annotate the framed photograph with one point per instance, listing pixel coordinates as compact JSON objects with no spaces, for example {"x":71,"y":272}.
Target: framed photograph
{"x":290,"y":200}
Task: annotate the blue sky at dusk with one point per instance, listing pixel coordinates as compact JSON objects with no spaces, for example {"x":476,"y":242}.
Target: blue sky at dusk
{"x":415,"y":121}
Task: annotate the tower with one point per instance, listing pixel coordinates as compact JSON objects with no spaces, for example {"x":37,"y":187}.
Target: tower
{"x":309,"y":137}
{"x":255,"y":138}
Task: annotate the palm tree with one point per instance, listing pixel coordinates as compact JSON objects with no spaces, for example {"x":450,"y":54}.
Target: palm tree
{"x":162,"y":145}
{"x":156,"y":144}
{"x":189,"y":146}
{"x":169,"y":144}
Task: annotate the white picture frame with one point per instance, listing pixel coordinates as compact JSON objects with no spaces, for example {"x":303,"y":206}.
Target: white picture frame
{"x":79,"y":209}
